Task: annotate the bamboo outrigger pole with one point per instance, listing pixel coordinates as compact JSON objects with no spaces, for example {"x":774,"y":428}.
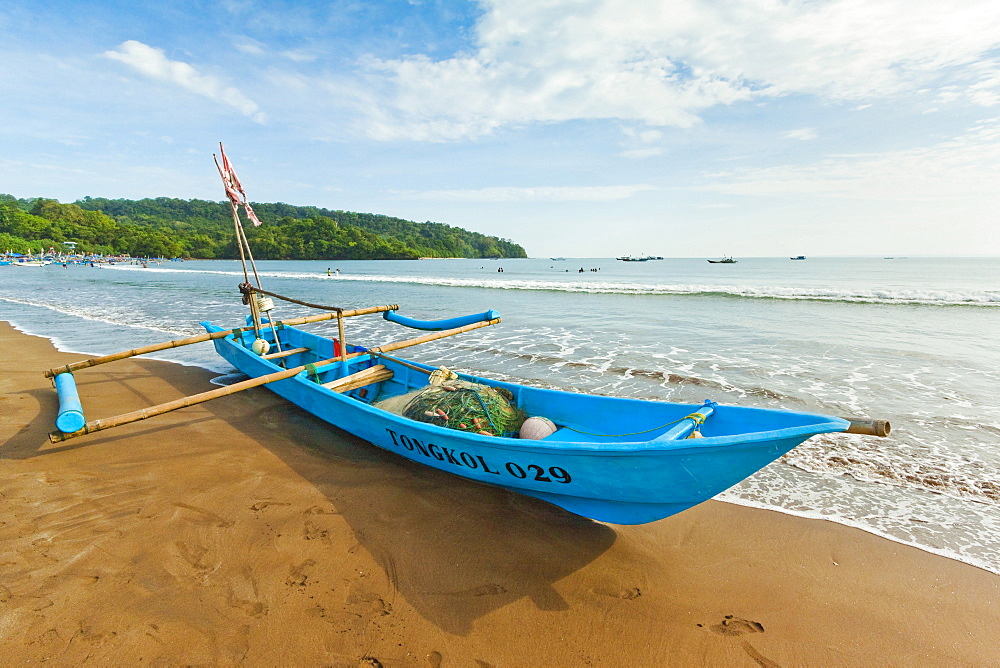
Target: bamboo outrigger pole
{"x":868,"y":427}
{"x":69,"y":368}
{"x":389,"y":347}
{"x":184,"y":402}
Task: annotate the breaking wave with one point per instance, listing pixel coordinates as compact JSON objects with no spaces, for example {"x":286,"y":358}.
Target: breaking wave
{"x":899,"y":296}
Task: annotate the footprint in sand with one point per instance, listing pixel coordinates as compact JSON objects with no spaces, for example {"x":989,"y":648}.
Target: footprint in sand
{"x":312,"y":532}
{"x":244,"y":595}
{"x":368,"y":602}
{"x":261,"y":505}
{"x":737,"y":626}
{"x":194,"y":555}
{"x":207,"y":516}
{"x":624,"y":594}
{"x":298,"y":575}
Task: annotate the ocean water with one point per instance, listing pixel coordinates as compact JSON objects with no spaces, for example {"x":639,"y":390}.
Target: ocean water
{"x":912,"y":340}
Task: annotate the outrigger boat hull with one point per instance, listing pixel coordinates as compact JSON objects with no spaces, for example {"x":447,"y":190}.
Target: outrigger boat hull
{"x":642,"y":474}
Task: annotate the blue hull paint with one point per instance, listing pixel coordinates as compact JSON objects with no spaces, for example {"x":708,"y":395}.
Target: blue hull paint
{"x":610,"y":479}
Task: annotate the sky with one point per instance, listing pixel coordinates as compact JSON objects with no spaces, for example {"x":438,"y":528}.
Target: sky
{"x":576,"y":128}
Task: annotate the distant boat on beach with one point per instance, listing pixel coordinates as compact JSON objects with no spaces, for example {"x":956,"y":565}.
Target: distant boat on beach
{"x":725,"y":260}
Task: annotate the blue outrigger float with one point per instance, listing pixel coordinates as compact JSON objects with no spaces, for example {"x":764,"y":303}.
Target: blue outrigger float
{"x":616,"y":460}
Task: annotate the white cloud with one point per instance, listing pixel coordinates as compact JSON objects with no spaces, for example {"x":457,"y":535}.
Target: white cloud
{"x":639,"y":153}
{"x":662,"y":64}
{"x":802,"y":134}
{"x":986,"y":90}
{"x":154,"y":64}
{"x":248,"y":46}
{"x":540,"y":194}
{"x":253,"y":47}
{"x":299,"y":55}
{"x":965,"y":168}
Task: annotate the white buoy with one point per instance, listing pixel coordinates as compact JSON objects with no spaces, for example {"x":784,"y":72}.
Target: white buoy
{"x":260,"y":347}
{"x":536,"y":428}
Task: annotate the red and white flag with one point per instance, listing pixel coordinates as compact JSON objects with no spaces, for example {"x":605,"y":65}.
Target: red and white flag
{"x":234,"y":189}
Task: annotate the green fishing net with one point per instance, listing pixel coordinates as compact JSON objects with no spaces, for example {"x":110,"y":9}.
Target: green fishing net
{"x":462,"y":405}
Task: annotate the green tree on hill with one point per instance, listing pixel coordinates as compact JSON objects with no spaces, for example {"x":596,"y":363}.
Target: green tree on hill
{"x":203,"y":229}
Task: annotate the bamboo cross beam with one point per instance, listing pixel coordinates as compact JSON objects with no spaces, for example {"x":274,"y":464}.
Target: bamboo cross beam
{"x":369,"y":376}
{"x":285,"y":353}
{"x":405,"y":363}
{"x":208,"y":337}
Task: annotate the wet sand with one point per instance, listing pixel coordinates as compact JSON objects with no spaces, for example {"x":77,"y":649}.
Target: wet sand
{"x":245,"y":531}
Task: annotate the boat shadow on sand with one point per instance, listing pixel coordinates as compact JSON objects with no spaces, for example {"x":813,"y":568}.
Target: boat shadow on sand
{"x":454,"y":549}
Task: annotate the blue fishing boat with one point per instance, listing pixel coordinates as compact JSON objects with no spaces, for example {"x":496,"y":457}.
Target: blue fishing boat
{"x":623,"y":461}
{"x":616,"y":460}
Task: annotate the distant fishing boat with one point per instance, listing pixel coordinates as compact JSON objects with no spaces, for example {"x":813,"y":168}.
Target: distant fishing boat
{"x":624,"y":461}
{"x":798,"y":257}
{"x":557,"y":259}
{"x":725,"y":260}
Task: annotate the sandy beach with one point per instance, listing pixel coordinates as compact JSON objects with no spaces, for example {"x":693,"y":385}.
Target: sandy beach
{"x":244,"y":531}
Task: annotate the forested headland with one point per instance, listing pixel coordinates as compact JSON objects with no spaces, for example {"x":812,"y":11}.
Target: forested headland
{"x":169,"y":227}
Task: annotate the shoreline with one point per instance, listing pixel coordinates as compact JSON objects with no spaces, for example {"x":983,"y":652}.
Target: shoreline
{"x":244,"y":530}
